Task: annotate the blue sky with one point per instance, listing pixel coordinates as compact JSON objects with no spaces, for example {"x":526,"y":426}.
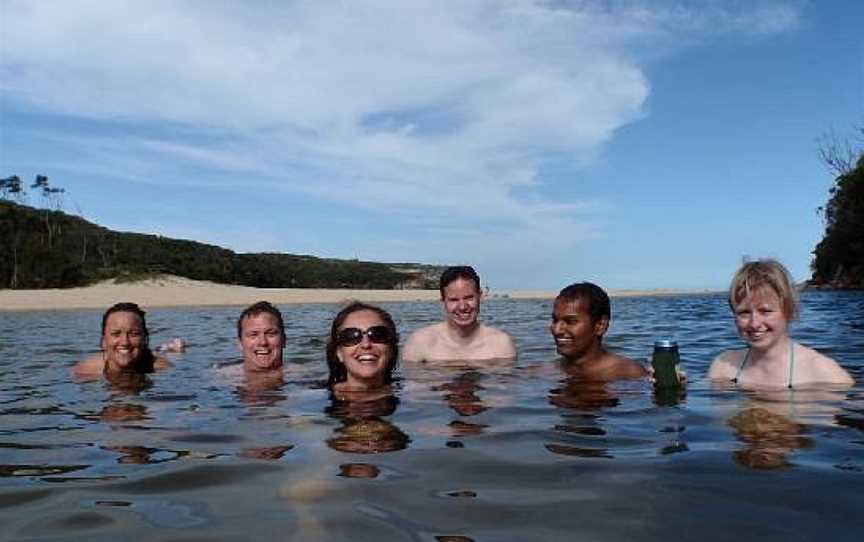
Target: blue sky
{"x":635,"y":144}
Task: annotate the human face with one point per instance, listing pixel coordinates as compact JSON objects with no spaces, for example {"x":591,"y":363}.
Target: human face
{"x":123,"y":340}
{"x":461,"y":302}
{"x":760,"y":320}
{"x":573,"y":329}
{"x":365,"y":362}
{"x":261,"y":342}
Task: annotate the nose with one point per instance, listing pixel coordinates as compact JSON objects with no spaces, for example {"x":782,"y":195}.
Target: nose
{"x":754,"y":320}
{"x":554,"y":327}
{"x":365,"y":341}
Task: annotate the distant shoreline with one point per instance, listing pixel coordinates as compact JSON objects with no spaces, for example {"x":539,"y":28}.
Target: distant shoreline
{"x":172,"y":291}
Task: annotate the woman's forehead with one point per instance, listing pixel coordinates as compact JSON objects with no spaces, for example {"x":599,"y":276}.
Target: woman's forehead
{"x":758,"y":295}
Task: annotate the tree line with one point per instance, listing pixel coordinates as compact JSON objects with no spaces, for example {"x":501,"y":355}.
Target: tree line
{"x":47,"y":248}
{"x":838,"y":259}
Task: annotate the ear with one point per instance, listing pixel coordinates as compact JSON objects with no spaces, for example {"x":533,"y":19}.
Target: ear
{"x":601,"y":326}
{"x":339,"y":356}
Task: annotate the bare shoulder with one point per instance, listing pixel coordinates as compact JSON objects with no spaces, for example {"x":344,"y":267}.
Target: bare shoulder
{"x":501,"y":342}
{"x":626,"y":368}
{"x":89,"y":367}
{"x":419,"y":343}
{"x":817,"y":367}
{"x":726,"y":365}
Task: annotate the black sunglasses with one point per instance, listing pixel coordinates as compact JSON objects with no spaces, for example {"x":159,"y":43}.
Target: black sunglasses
{"x":351,"y":336}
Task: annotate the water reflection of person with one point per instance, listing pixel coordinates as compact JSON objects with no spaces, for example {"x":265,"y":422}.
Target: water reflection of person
{"x":125,"y":346}
{"x":461,"y":394}
{"x":762,"y":298}
{"x":578,"y":394}
{"x":261,"y":388}
{"x":582,"y":403}
{"x":359,"y":470}
{"x":268,"y":453}
{"x":768,"y":438}
{"x":128,"y":383}
{"x":365,"y":428}
{"x":123,"y":412}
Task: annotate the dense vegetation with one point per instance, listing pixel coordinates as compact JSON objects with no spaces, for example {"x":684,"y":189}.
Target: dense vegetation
{"x":45,"y":248}
{"x":839,"y":258}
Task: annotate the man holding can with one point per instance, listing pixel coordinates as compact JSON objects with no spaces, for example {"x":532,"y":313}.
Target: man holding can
{"x":580,"y":318}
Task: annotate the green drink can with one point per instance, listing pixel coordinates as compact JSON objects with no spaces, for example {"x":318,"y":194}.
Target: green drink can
{"x":665,"y":360}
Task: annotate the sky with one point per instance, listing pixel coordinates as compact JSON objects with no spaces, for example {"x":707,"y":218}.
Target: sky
{"x":635,"y":144}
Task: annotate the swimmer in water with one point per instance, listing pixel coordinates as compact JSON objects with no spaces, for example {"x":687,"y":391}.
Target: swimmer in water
{"x":362,"y":351}
{"x":763,"y":301}
{"x":124,"y":345}
{"x":460,"y":336}
{"x":261,"y":338}
{"x":580,"y":318}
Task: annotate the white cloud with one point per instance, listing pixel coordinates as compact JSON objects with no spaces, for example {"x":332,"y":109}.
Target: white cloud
{"x":429,"y":105}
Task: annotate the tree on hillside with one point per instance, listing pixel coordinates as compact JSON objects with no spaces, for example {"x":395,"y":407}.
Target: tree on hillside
{"x":53,"y":201}
{"x":12,"y":188}
{"x":839,"y":257}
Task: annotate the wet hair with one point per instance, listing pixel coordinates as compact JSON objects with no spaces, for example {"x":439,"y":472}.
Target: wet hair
{"x":262,"y":307}
{"x":146,"y":361}
{"x":761,"y":274}
{"x":458,"y":272}
{"x":592,"y":295}
{"x":336,"y":367}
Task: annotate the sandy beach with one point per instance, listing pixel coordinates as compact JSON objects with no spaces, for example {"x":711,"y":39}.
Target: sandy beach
{"x":172,"y":291}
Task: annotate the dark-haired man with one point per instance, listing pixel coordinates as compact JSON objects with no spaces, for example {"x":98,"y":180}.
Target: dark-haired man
{"x":580,"y":318}
{"x":460,"y":336}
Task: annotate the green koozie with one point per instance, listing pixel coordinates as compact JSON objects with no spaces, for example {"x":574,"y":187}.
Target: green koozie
{"x":664,"y":361}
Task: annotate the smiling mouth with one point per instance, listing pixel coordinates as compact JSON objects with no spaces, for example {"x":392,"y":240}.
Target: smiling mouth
{"x":367,"y":359}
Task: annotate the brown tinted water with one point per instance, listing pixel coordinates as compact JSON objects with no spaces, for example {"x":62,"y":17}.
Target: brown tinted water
{"x":513,"y":452}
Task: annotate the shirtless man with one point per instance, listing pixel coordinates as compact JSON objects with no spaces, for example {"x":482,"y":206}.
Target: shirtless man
{"x":580,"y":318}
{"x":460,"y":337}
{"x":261,"y":337}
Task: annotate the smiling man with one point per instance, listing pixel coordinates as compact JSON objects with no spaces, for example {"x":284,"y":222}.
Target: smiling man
{"x":261,"y":337}
{"x":580,"y":318}
{"x":460,"y":337}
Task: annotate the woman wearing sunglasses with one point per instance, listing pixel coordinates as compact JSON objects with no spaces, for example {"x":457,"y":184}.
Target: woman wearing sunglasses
{"x":363,"y":349}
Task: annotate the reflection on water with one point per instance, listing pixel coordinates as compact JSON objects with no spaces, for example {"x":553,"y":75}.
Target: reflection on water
{"x":768,"y":438}
{"x":365,"y":427}
{"x":520,"y":451}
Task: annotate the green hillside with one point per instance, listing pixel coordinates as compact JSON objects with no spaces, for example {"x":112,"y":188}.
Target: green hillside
{"x":839,"y":257}
{"x":40,"y":248}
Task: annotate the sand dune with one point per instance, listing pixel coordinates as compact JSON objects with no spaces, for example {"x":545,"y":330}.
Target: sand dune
{"x":172,"y":291}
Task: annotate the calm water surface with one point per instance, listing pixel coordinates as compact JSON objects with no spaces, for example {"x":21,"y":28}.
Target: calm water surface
{"x":461,"y":453}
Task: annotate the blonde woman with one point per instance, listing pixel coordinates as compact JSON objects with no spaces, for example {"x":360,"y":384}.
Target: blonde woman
{"x":763,"y":301}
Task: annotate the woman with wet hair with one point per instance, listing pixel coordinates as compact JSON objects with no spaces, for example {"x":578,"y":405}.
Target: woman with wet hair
{"x":763,"y":301}
{"x":363,"y":349}
{"x":124,"y":345}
